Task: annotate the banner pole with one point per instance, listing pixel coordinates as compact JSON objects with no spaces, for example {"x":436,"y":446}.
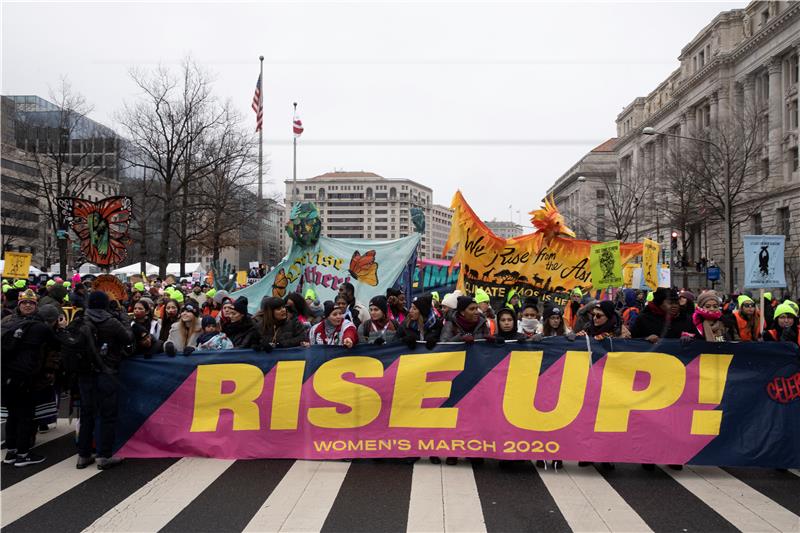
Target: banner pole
{"x":761,"y":319}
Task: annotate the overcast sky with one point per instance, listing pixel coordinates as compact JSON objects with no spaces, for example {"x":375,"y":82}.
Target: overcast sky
{"x":497,"y":99}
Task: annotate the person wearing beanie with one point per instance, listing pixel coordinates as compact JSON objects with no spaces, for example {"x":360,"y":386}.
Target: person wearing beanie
{"x":77,"y":297}
{"x":314,"y":305}
{"x":298,"y":308}
{"x":686,"y":301}
{"x":707,"y":318}
{"x":605,"y":322}
{"x":572,"y":308}
{"x":662,"y":318}
{"x":396,"y":305}
{"x":467,"y":324}
{"x":50,"y":283}
{"x":112,"y":340}
{"x":239,"y":326}
{"x":27,"y":304}
{"x":146,"y":344}
{"x":513,"y":301}
{"x":553,"y":324}
{"x":334,"y":329}
{"x":30,"y":344}
{"x":277,"y":327}
{"x":423,"y":323}
{"x":184,"y":332}
{"x":55,"y":296}
{"x":529,"y":324}
{"x":20,"y":284}
{"x":769,"y":309}
{"x":784,"y":327}
{"x":744,"y":324}
{"x":449,"y":303}
{"x":485,"y":307}
{"x":380,"y":328}
{"x":197,"y":294}
{"x":211,"y":338}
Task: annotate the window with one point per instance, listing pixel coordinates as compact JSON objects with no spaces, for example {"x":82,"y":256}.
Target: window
{"x":758,"y":229}
{"x":793,"y":153}
{"x":783,"y":225}
{"x":701,"y":61}
{"x":792,"y":108}
{"x":765,"y":167}
{"x":601,"y":194}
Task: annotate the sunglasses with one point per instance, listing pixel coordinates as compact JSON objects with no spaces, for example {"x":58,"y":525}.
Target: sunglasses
{"x":598,"y":315}
{"x":748,"y":305}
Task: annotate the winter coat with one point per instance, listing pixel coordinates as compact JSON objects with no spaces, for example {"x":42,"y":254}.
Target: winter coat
{"x":452,"y":331}
{"x":369,"y":332}
{"x":243,"y":334}
{"x":346,"y":330}
{"x":25,"y":357}
{"x":287,"y":335}
{"x":653,"y":321}
{"x":113,"y":333}
{"x":55,"y":296}
{"x":430,"y":334}
{"x":176,"y":335}
{"x":153,"y":327}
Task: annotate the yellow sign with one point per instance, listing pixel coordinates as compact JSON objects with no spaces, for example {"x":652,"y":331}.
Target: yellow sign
{"x":17,"y":265}
{"x":606,"y":265}
{"x":241,"y":278}
{"x":650,"y":252}
{"x":627,"y":274}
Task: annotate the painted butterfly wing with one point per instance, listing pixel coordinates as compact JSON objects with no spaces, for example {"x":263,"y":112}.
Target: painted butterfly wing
{"x":101,"y":227}
{"x":364,"y":268}
{"x":280,"y":284}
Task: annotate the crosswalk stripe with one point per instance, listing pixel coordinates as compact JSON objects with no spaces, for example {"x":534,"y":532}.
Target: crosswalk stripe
{"x":462,"y":505}
{"x":426,"y":505}
{"x":302,"y":499}
{"x":795,"y":471}
{"x":737,"y":502}
{"x":33,"y":492}
{"x":62,"y":427}
{"x":151,"y":507}
{"x":588,"y":502}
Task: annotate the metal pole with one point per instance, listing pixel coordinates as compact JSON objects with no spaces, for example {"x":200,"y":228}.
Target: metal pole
{"x":294,"y":149}
{"x":260,"y":210}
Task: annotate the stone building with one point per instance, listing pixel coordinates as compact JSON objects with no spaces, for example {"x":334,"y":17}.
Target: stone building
{"x":745,"y":61}
{"x":504,"y":228}
{"x":364,"y":205}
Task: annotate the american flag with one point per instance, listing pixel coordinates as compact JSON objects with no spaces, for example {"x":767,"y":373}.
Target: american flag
{"x":297,"y":125}
{"x":258,"y":104}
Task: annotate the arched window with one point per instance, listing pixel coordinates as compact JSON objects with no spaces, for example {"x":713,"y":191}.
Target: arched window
{"x":393,"y":193}
{"x":321,"y":194}
{"x":369,"y":193}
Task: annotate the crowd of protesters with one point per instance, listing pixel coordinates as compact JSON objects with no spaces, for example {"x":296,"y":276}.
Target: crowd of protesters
{"x":44,"y":354}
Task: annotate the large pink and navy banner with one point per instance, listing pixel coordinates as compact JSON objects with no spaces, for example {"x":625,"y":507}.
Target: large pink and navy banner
{"x":734,"y":404}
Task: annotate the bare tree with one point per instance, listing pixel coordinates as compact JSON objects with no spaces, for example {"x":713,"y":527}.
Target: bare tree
{"x":722,"y":163}
{"x":61,"y":144}
{"x":625,"y":198}
{"x":172,"y":114}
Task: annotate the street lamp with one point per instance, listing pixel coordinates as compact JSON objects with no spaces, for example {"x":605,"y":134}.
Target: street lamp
{"x":726,"y":198}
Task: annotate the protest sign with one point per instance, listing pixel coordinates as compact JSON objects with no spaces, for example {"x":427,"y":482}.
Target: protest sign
{"x":630,"y":401}
{"x":16,"y":265}
{"x":650,"y":252}
{"x":605,"y":265}
{"x":763,"y":261}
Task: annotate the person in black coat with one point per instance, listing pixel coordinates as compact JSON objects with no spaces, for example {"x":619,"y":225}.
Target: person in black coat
{"x":276,"y":328}
{"x":662,"y":318}
{"x":29,"y":340}
{"x":241,"y":330}
{"x":422,"y":323}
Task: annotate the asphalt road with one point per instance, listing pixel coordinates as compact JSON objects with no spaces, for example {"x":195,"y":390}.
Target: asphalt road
{"x":201,"y":495}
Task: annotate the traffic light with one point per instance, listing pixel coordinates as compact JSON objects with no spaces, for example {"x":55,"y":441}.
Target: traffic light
{"x":674,"y":243}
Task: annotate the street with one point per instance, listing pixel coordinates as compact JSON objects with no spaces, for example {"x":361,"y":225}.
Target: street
{"x":192,"y":494}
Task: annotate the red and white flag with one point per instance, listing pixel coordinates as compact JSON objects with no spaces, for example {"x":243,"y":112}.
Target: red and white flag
{"x":258,"y":104}
{"x":297,"y":126}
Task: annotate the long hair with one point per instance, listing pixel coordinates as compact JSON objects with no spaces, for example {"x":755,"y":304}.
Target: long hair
{"x":266,"y":317}
{"x":186,"y":331}
{"x":548,"y":331}
{"x":166,"y":322}
{"x":300,"y":305}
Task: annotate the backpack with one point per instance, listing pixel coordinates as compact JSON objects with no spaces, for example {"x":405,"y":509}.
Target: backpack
{"x":629,"y":316}
{"x":79,"y":352}
{"x":12,"y":333}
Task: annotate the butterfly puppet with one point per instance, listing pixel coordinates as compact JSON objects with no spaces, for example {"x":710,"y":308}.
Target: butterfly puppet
{"x":101,"y":226}
{"x":364,"y":268}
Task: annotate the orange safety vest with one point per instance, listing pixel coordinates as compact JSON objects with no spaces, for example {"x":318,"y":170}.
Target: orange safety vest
{"x":492,"y":326}
{"x":744,"y":330}
{"x":774,"y":334}
{"x":569,"y":317}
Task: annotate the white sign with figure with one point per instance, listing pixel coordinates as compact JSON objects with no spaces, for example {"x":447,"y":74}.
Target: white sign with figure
{"x":763,"y":261}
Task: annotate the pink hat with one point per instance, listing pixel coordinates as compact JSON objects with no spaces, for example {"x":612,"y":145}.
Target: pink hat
{"x":76,"y":278}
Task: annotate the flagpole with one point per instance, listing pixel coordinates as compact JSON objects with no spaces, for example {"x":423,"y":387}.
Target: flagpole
{"x":260,"y":211}
{"x":294,"y":143}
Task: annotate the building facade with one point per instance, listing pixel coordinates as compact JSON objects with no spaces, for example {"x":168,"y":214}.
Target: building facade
{"x":364,"y":205}
{"x":743,"y":63}
{"x":504,"y":228}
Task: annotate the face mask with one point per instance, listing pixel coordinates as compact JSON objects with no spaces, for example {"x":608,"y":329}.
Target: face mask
{"x":529,"y":323}
{"x":709,"y":315}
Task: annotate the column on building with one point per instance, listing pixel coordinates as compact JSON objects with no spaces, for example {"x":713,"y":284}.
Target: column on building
{"x":775,"y":118}
{"x":714,"y":105}
{"x":749,"y":90}
{"x":724,"y":102}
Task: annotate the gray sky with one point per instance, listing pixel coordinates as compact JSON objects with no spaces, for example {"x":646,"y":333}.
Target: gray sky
{"x":497,"y":99}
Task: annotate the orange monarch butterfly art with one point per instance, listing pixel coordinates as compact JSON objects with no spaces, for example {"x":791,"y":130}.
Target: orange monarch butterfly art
{"x":364,"y":268}
{"x":101,"y":226}
{"x":280,"y":284}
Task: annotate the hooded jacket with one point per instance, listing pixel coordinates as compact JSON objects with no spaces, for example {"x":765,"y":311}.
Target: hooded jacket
{"x":26,"y":359}
{"x":654,"y":321}
{"x":286,"y":335}
{"x":55,"y":296}
{"x":113,"y":334}
{"x":243,"y":334}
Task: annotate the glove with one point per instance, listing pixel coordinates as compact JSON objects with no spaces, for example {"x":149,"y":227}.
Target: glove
{"x":570,"y":336}
{"x":411,"y":343}
{"x":430,"y":344}
{"x":686,"y":339}
{"x":169,"y":349}
{"x":266,"y":347}
{"x":537,"y":337}
{"x":499,"y":340}
{"x":379,"y":341}
{"x":469,"y":339}
{"x":188,"y":350}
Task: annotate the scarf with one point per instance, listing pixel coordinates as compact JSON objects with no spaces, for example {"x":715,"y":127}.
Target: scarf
{"x":606,"y":330}
{"x":466,"y":327}
{"x":708,"y":324}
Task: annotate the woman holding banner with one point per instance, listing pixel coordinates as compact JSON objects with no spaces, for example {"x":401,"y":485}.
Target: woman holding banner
{"x":278,"y":329}
{"x":784,"y":326}
{"x":168,"y":318}
{"x":335,"y":329}
{"x":467,"y":324}
{"x":605,"y":323}
{"x":423,"y":323}
{"x":380,"y":328}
